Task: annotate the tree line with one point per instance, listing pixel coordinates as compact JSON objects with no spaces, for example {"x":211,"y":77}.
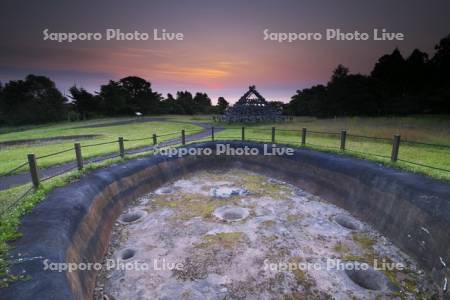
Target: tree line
{"x":37,"y":100}
{"x":396,"y":86}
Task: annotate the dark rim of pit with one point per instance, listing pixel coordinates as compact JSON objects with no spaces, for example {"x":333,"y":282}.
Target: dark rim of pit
{"x":127,"y":253}
{"x":347,"y":222}
{"x":231,"y":213}
{"x":132,"y":216}
{"x":368,"y":278}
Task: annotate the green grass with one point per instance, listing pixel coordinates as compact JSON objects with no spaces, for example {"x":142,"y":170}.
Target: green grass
{"x":13,"y":156}
{"x":426,"y":129}
{"x":187,"y":118}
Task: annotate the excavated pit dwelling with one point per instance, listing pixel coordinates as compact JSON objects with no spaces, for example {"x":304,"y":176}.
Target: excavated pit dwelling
{"x":226,"y":227}
{"x":236,"y":246}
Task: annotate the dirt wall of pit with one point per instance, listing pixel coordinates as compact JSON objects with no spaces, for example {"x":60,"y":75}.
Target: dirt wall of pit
{"x":73,"y":223}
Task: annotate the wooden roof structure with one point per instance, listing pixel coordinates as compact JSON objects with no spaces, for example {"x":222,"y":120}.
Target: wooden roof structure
{"x":252,"y":107}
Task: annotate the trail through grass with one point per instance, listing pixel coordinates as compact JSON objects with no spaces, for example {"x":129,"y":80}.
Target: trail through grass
{"x":12,"y":156}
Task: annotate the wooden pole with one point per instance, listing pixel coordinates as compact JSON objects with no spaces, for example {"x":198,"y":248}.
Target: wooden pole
{"x":273,"y":135}
{"x":34,"y":172}
{"x":183,"y":137}
{"x":78,"y":156}
{"x":155,"y":141}
{"x":343,"y":139}
{"x":395,"y":148}
{"x":212,"y":133}
{"x":121,"y":147}
{"x":303,"y":136}
{"x":243,"y":133}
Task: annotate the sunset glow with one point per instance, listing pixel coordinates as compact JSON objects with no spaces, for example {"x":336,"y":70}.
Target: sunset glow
{"x":223,"y":50}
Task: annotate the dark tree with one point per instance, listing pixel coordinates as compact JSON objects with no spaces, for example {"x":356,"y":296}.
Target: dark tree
{"x":129,"y":95}
{"x":278,"y":105}
{"x":353,"y":95}
{"x":396,"y":86}
{"x":171,"y":106}
{"x":310,"y":101}
{"x":391,"y":70}
{"x":417,"y":71}
{"x":186,"y":101}
{"x":441,"y":61}
{"x":439,"y":96}
{"x":222,"y":105}
{"x":339,"y":72}
{"x":33,"y":100}
{"x":202,"y":103}
{"x":114,"y":98}
{"x":85,"y":104}
{"x":140,"y":96}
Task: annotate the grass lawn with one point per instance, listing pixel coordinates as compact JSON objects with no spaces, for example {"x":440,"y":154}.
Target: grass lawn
{"x":186,"y":118}
{"x":424,"y":129}
{"x":12,"y":156}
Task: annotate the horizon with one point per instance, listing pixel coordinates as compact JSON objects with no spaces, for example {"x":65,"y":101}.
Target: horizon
{"x":223,"y":50}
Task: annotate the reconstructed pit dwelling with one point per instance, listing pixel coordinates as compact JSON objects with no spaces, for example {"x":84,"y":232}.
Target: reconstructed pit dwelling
{"x":240,"y":227}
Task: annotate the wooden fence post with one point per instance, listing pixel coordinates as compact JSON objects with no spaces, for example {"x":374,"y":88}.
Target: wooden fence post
{"x":243,"y":133}
{"x":34,"y":172}
{"x":121,"y":147}
{"x":183,"y":137}
{"x":273,"y":135}
{"x":303,"y":136}
{"x":212,"y":133}
{"x":78,"y":156}
{"x":155,"y":141}
{"x":343,"y":139}
{"x":395,"y":147}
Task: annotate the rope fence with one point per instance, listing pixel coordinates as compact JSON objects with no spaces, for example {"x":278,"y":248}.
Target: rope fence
{"x":58,"y":173}
{"x":422,"y":165}
{"x":300,"y":138}
{"x":136,"y":140}
{"x":369,"y":137}
{"x":167,"y":134}
{"x":426,"y":144}
{"x":320,"y":146}
{"x":14,"y":169}
{"x":98,"y":144}
{"x":368,"y":153}
{"x":54,"y":154}
{"x":323,"y":132}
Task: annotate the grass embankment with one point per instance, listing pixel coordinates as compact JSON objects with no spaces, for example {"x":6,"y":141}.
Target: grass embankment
{"x":13,"y":210}
{"x":14,"y":155}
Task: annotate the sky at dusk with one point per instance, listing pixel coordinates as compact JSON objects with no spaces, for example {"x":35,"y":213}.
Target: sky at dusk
{"x":223,"y":51}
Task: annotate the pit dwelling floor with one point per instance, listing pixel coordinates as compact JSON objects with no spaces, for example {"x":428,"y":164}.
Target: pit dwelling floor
{"x":234,"y":234}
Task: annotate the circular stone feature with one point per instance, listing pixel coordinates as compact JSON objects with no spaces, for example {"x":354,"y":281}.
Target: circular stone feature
{"x":231,"y":213}
{"x":132,"y":216}
{"x":164,"y":190}
{"x":126,"y":253}
{"x":224,"y":192}
{"x":368,"y":278}
{"x":346,"y":221}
